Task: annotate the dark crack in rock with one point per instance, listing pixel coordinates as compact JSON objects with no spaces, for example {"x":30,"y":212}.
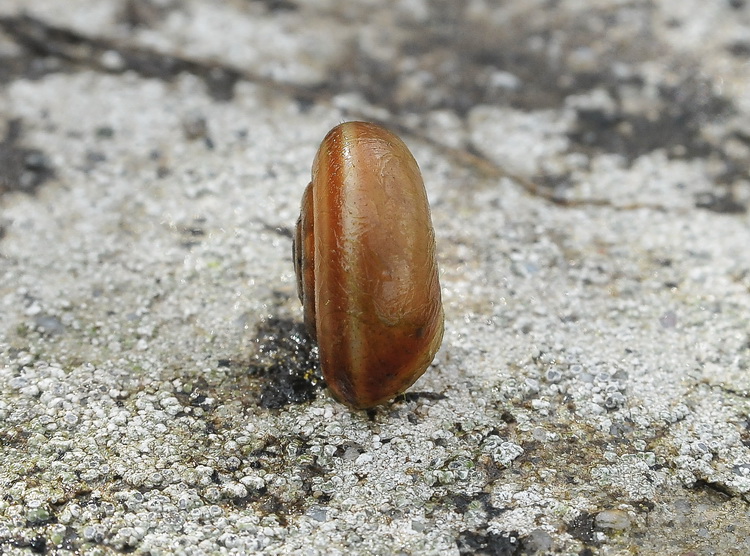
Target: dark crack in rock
{"x":45,"y":40}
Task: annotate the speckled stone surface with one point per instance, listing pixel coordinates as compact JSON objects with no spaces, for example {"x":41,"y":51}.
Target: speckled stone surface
{"x":587,"y":165}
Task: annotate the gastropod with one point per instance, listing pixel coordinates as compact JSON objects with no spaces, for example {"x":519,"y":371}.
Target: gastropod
{"x":364,"y":255}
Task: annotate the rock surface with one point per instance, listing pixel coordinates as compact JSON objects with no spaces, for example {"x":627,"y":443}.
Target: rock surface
{"x":587,"y":165}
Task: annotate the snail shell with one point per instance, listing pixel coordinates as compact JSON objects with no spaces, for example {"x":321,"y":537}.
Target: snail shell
{"x":364,"y":254}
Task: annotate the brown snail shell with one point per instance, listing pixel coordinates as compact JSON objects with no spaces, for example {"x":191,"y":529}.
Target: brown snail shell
{"x":364,"y":254}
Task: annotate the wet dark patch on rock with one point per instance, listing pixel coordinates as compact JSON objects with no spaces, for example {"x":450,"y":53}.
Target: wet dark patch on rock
{"x":583,"y":528}
{"x":544,"y":58}
{"x":506,"y":543}
{"x":36,"y":544}
{"x":481,"y":501}
{"x":21,"y":169}
{"x":675,"y":125}
{"x":531,"y":60}
{"x":284,"y":369}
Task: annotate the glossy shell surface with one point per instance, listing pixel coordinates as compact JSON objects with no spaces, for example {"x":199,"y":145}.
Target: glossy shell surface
{"x":364,"y":254}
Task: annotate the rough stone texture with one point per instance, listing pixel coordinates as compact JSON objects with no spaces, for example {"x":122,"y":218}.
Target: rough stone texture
{"x":587,"y":164}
